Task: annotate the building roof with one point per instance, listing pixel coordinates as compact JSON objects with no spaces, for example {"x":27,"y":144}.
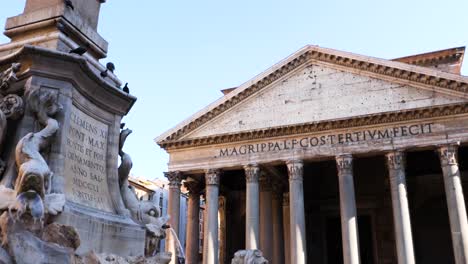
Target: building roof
{"x":405,"y":69}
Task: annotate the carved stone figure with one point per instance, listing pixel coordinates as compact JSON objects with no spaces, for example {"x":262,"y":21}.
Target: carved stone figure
{"x":251,"y":256}
{"x":12,"y":106}
{"x":8,"y":77}
{"x":34,"y":175}
{"x":143,"y":212}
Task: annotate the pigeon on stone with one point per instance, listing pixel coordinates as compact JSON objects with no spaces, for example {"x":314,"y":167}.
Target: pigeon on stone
{"x":69,"y":4}
{"x":110,"y":66}
{"x":122,"y":125}
{"x":125,"y":88}
{"x":80,"y":51}
{"x":104,"y":73}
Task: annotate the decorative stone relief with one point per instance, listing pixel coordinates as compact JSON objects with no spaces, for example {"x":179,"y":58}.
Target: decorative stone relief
{"x":12,"y":106}
{"x":34,"y":176}
{"x":295,"y":169}
{"x":344,"y":164}
{"x":395,"y":160}
{"x":144,"y":212}
{"x":8,"y":77}
{"x":252,"y":172}
{"x":175,"y":179}
{"x":193,"y":186}
{"x":24,"y":235}
{"x":448,"y":154}
{"x":212,"y":176}
{"x":250,"y":256}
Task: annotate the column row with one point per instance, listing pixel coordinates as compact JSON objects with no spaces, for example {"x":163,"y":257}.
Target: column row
{"x":281,"y":235}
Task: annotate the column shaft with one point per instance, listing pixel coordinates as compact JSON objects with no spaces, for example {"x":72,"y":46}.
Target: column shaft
{"x":252,"y":214}
{"x":266,"y":226}
{"x":278,"y":240}
{"x":298,"y":249}
{"x":349,"y":228}
{"x":193,"y":223}
{"x":401,"y":214}
{"x":173,"y":210}
{"x":455,"y":202}
{"x":222,"y":228}
{"x":286,"y":228}
{"x":210,"y":242}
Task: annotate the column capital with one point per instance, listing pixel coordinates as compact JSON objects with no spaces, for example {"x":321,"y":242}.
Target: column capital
{"x":396,"y":160}
{"x":175,"y":178}
{"x":193,"y":186}
{"x":252,"y":172}
{"x":286,"y":199}
{"x":212,"y":176}
{"x":295,"y":169}
{"x":344,"y":164}
{"x":448,"y":154}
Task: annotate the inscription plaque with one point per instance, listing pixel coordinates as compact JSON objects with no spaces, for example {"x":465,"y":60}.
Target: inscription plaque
{"x":86,"y":161}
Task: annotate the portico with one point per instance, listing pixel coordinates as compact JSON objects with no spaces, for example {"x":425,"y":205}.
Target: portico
{"x":332,"y":157}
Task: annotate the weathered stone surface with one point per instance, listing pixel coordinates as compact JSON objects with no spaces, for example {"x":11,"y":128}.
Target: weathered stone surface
{"x":63,"y":235}
{"x":251,"y":256}
{"x":160,"y":258}
{"x":301,"y":98}
{"x":27,"y":248}
{"x":5,"y":257}
{"x":85,"y":162}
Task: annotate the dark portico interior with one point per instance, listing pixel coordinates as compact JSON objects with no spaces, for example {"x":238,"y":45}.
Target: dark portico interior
{"x":426,"y":196}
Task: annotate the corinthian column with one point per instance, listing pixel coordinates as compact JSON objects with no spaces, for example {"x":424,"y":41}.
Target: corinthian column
{"x":252,"y":214}
{"x":401,"y":215}
{"x":210,"y":241}
{"x":173,"y":209}
{"x":455,"y":202}
{"x":193,"y":221}
{"x":349,"y":229}
{"x":298,"y":249}
{"x":266,"y":226}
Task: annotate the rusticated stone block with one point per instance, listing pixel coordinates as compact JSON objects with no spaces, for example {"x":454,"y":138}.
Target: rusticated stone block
{"x":63,"y":235}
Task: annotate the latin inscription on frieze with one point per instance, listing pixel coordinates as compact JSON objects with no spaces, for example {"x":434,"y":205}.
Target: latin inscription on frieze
{"x":85,"y":161}
{"x":328,"y":139}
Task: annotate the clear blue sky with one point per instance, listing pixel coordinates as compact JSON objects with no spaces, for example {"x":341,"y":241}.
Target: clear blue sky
{"x":177,"y":55}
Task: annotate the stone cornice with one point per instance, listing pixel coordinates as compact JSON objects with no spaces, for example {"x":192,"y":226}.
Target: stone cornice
{"x":92,"y":86}
{"x":327,"y":125}
{"x":397,"y":71}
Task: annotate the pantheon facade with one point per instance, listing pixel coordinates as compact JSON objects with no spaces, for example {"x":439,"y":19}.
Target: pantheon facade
{"x":329,"y":157}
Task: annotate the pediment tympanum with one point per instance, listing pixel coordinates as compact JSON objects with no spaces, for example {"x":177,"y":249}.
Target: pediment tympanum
{"x":318,"y":93}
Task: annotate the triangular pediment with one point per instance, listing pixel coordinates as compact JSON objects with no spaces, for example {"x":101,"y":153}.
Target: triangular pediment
{"x":317,"y":93}
{"x":320,"y":85}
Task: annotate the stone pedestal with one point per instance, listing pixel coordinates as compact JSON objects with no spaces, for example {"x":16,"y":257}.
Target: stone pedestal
{"x":298,"y":248}
{"x":349,"y":228}
{"x":455,"y":202}
{"x":84,"y":151}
